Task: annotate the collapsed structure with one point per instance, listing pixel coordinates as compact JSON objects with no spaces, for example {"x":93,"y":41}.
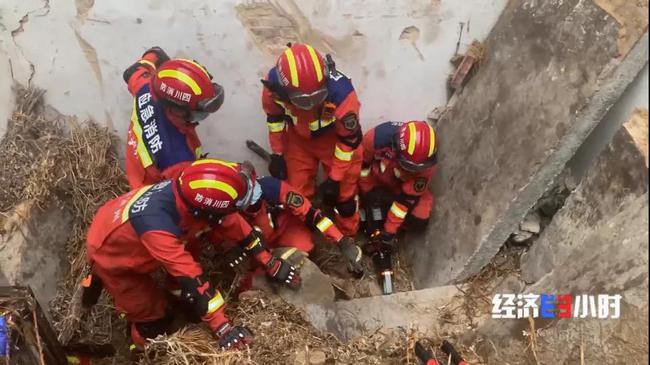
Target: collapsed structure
{"x":550,"y":73}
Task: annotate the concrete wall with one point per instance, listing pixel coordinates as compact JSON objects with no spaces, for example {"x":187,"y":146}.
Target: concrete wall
{"x":551,"y":72}
{"x":635,"y":96}
{"x":596,"y":244}
{"x":78,"y":49}
{"x":611,"y":258}
{"x":618,"y":177}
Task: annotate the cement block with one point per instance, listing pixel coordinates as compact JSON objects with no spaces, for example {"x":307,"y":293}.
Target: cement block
{"x":551,"y":71}
{"x":419,"y":309}
{"x":32,"y":248}
{"x":619,"y":175}
{"x":609,"y":258}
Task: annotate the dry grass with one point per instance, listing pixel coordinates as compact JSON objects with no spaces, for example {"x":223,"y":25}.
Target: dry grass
{"x":282,"y":336}
{"x":52,"y":159}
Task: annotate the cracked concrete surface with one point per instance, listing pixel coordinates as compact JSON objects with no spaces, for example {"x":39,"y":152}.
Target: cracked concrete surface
{"x":77,"y":50}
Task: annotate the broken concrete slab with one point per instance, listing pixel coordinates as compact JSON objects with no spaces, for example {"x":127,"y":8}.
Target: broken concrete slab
{"x":415,"y":309}
{"x":551,"y":71}
{"x":348,"y":319}
{"x":610,"y":258}
{"x":618,"y":176}
{"x":32,"y":248}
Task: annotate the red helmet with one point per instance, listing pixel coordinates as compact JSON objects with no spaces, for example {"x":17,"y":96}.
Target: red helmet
{"x":303,"y":73}
{"x":217,"y":187}
{"x":416,"y":146}
{"x":188,"y":85}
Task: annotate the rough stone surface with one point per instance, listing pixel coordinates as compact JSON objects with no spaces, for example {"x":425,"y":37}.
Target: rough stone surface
{"x":32,"y":249}
{"x":618,"y":176}
{"x":416,"y":309}
{"x":551,"y":71}
{"x":609,"y":258}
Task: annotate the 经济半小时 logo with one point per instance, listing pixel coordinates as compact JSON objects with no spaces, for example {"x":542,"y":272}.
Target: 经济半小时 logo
{"x":601,"y":306}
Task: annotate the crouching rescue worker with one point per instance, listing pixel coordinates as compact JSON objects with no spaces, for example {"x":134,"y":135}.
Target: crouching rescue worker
{"x":135,"y":233}
{"x":170,"y":98}
{"x":313,"y":117}
{"x":286,"y":220}
{"x":399,"y":159}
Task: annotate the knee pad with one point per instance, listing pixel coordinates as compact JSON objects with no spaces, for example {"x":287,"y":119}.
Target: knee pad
{"x":152,"y":329}
{"x":347,"y":208}
{"x":416,"y":224}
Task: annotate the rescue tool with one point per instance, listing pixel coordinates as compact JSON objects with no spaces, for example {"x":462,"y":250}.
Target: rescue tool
{"x":259,"y":150}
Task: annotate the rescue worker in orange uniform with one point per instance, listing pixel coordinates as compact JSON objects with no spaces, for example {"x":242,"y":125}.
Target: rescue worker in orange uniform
{"x":135,"y":233}
{"x":170,"y":97}
{"x":286,"y":219}
{"x":313,"y":117}
{"x":399,"y":160}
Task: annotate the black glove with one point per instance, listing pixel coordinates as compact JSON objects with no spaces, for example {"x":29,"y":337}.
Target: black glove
{"x":161,"y":56}
{"x":278,"y":167}
{"x":380,"y":241}
{"x":353,"y":254}
{"x":330,"y":190}
{"x":283,"y":272}
{"x":235,"y":256}
{"x":233,"y":336}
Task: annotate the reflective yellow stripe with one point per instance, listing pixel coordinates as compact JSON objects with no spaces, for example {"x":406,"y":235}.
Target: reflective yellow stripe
{"x":342,"y":155}
{"x":214,"y":184}
{"x":288,"y":253}
{"x":232,"y":165}
{"x":132,"y":347}
{"x":292,"y":67}
{"x":197,"y":65}
{"x":127,"y":207}
{"x":147,"y":62}
{"x":215,"y":303}
{"x":317,"y":65}
{"x":432,"y":141}
{"x":287,"y":111}
{"x":324,"y":224}
{"x":411,"y":148}
{"x":399,"y":212}
{"x":252,"y":244}
{"x":315,"y":125}
{"x":73,"y":360}
{"x":365,"y":172}
{"x":183,"y":78}
{"x":141,"y":148}
{"x":276,"y":126}
{"x":198,"y":152}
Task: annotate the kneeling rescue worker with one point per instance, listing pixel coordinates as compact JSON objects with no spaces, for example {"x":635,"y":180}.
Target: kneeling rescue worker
{"x":170,"y":97}
{"x":286,"y":219}
{"x":133,"y":234}
{"x":313,"y":117}
{"x":399,"y":160}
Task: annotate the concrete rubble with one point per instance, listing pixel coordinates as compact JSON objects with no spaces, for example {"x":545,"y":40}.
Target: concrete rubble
{"x":551,"y":72}
{"x":619,"y":175}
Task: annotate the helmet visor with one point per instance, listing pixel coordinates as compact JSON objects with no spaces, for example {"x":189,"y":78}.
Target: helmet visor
{"x":252,"y":187}
{"x":411,"y":166}
{"x":308,"y":101}
{"x":213,"y":104}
